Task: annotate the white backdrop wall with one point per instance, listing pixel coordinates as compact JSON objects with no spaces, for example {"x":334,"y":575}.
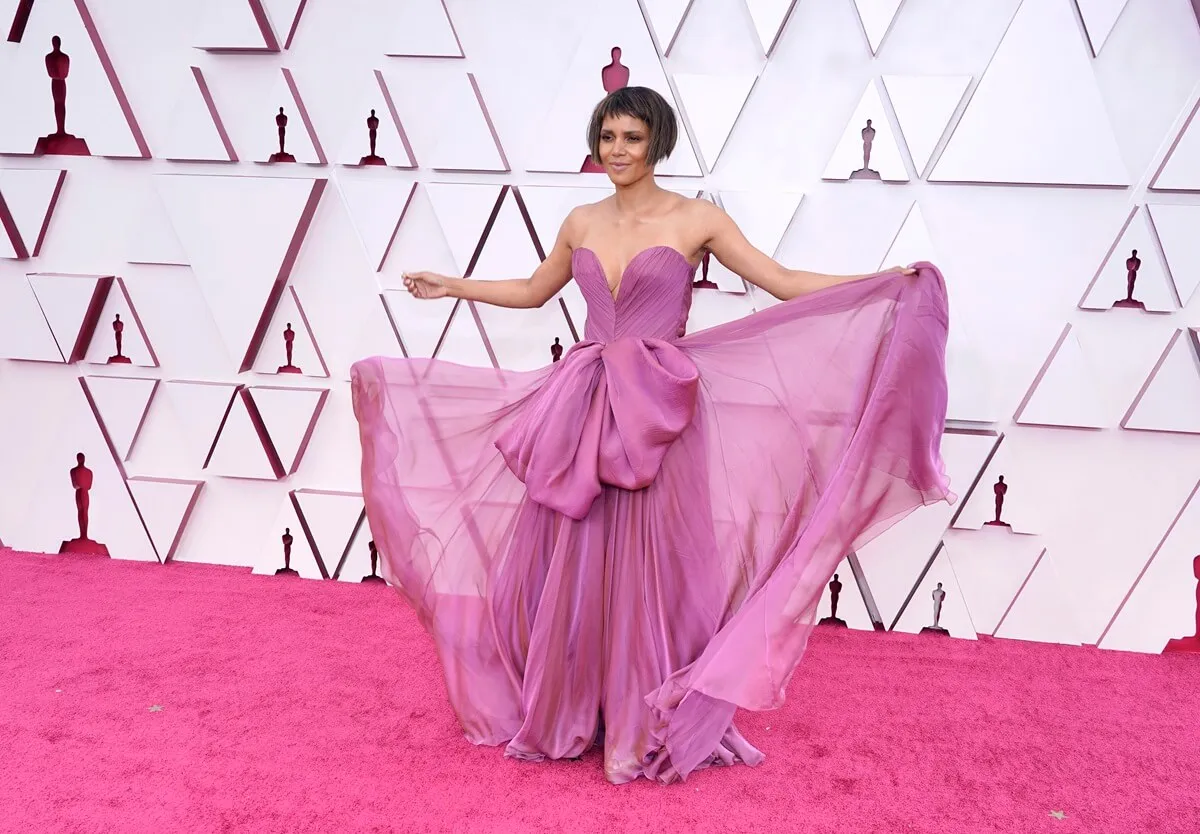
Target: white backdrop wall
{"x":1025,"y":146}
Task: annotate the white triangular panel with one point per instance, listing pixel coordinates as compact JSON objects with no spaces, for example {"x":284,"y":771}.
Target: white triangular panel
{"x":1099,"y":18}
{"x":94,"y":111}
{"x":1176,"y":226}
{"x":885,"y":155}
{"x":769,"y":17}
{"x":1042,"y":611}
{"x":289,"y":415}
{"x":306,"y":354}
{"x":1019,"y":128}
{"x":549,"y":205}
{"x":283,"y":15}
{"x":165,"y":506}
{"x":24,"y":332}
{"x":1180,"y":171}
{"x":269,"y":556}
{"x":228,"y":25}
{"x":1152,"y":286}
{"x":954,"y":615}
{"x":763,"y":216}
{"x":66,"y":301}
{"x":390,"y":144}
{"x":991,"y":565}
{"x":241,"y":451}
{"x":196,"y":133}
{"x":877,"y":17}
{"x":1171,"y":399}
{"x":199,"y":408}
{"x":419,"y":322}
{"x":30,"y":195}
{"x":666,"y":16}
{"x":237,"y":233}
{"x":150,"y":238}
{"x":134,"y":345}
{"x":712,"y":104}
{"x":376,"y":206}
{"x":1070,"y":392}
{"x":333,"y":520}
{"x":463,"y":343}
{"x":422,"y":28}
{"x":924,"y":106}
{"x":462,"y":210}
{"x":912,"y":242}
{"x":122,"y":403}
{"x":1024,"y":507}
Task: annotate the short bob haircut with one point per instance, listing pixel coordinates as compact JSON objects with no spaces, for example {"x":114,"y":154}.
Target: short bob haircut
{"x":640,"y":103}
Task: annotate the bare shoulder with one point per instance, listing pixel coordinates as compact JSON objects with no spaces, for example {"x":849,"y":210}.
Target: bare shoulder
{"x":704,"y":215}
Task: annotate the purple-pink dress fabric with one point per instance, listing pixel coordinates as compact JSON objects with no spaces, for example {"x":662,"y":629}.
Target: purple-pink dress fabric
{"x":624,"y":547}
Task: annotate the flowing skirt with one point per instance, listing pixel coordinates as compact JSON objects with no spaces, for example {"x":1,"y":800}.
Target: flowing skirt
{"x":644,"y":619}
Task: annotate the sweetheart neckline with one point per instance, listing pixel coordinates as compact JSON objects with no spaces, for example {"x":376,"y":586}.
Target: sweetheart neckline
{"x":621,"y":277}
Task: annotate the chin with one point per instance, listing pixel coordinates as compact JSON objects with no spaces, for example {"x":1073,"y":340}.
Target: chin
{"x":627,"y":175}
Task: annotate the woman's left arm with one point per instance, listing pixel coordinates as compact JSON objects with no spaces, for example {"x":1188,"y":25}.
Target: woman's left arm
{"x":727,"y":243}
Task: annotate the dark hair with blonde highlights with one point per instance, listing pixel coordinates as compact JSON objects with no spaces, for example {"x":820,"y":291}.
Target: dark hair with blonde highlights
{"x":640,"y":103}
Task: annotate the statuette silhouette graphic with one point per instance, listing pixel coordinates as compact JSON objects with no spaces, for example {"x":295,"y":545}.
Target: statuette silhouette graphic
{"x":939,"y":596}
{"x":866,"y":172}
{"x":287,"y":540}
{"x":835,"y":591}
{"x":372,"y":136}
{"x":281,"y":121}
{"x":613,"y":76}
{"x":704,"y":283}
{"x":289,"y":341}
{"x":81,"y":481}
{"x":999,"y":489}
{"x":1189,"y":644}
{"x":118,"y":358}
{"x":556,"y":351}
{"x":374,"y":577}
{"x":1132,"y":264}
{"x":58,"y":67}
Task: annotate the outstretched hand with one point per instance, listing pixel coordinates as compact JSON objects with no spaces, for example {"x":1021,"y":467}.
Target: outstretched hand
{"x":903,"y":270}
{"x":425,"y":284}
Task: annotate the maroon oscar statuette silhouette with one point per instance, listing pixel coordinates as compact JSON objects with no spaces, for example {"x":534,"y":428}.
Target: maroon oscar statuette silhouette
{"x":281,"y":121}
{"x":556,"y":351}
{"x":614,"y":76}
{"x":865,"y":172}
{"x":81,"y":480}
{"x":704,"y":283}
{"x":835,"y":590}
{"x":1000,"y":489}
{"x":287,"y":569}
{"x":1132,"y":264}
{"x":58,"y":67}
{"x":939,"y":596}
{"x":118,"y":358}
{"x":1189,"y":644}
{"x":372,"y":136}
{"x":374,"y":577}
{"x":289,"y":340}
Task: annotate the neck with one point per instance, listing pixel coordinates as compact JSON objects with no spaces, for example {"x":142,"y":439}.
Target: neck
{"x":637,"y":196}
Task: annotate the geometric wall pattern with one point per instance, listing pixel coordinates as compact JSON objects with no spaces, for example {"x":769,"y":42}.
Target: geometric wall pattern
{"x":206,"y":209}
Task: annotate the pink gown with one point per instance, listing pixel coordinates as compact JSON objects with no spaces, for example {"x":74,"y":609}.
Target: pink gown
{"x":625,"y":546}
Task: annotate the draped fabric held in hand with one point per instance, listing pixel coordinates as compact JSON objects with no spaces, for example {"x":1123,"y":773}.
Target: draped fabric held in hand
{"x":635,"y":539}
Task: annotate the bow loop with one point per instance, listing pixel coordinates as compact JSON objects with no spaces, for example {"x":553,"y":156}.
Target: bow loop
{"x":606,"y":416}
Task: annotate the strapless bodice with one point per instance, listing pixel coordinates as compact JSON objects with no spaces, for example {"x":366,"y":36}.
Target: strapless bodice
{"x":653,"y":298}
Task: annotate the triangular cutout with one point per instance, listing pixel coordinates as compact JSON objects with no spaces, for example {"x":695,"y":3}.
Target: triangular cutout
{"x":851,"y":607}
{"x":418,"y":322}
{"x":1018,"y":128}
{"x":925,"y":106}
{"x":333,"y":520}
{"x":665,"y":18}
{"x":151,"y":238}
{"x":120,"y":338}
{"x":378,"y":137}
{"x":24,"y":331}
{"x":1170,"y":398}
{"x":1133,"y":274}
{"x":289,"y":416}
{"x":284,"y":18}
{"x":165,"y":506}
{"x":121,"y":404}
{"x":1099,"y":18}
{"x":1022,"y":510}
{"x":877,"y":17}
{"x":1042,"y":608}
{"x":200,"y":409}
{"x":234,"y":26}
{"x":197,"y":133}
{"x":868,"y":149}
{"x":769,"y":17}
{"x":1180,"y":171}
{"x":463,"y":211}
{"x":242,"y":236}
{"x":462,"y":342}
{"x":28,"y":197}
{"x":990,"y":568}
{"x":243,"y":448}
{"x":764,"y":218}
{"x":290,"y":334}
{"x":1068,"y":391}
{"x":912,"y":242}
{"x":938,"y":596}
{"x":71,"y":305}
{"x":422,"y":29}
{"x":1175,"y":228}
{"x":377,"y":209}
{"x":286,"y":551}
{"x":712,"y":104}
{"x":299,"y":142}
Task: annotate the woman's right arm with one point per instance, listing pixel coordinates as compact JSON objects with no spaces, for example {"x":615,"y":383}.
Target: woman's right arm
{"x":551,"y":276}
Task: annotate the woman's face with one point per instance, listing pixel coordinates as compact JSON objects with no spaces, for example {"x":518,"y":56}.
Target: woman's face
{"x":624,"y":141}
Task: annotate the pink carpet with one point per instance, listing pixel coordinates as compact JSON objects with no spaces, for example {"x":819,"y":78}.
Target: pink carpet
{"x":184,"y":698}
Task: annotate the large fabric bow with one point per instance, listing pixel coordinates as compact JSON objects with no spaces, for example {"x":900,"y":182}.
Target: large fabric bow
{"x":606,"y":415}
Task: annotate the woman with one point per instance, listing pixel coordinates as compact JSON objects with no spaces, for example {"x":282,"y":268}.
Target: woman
{"x":626,"y":546}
